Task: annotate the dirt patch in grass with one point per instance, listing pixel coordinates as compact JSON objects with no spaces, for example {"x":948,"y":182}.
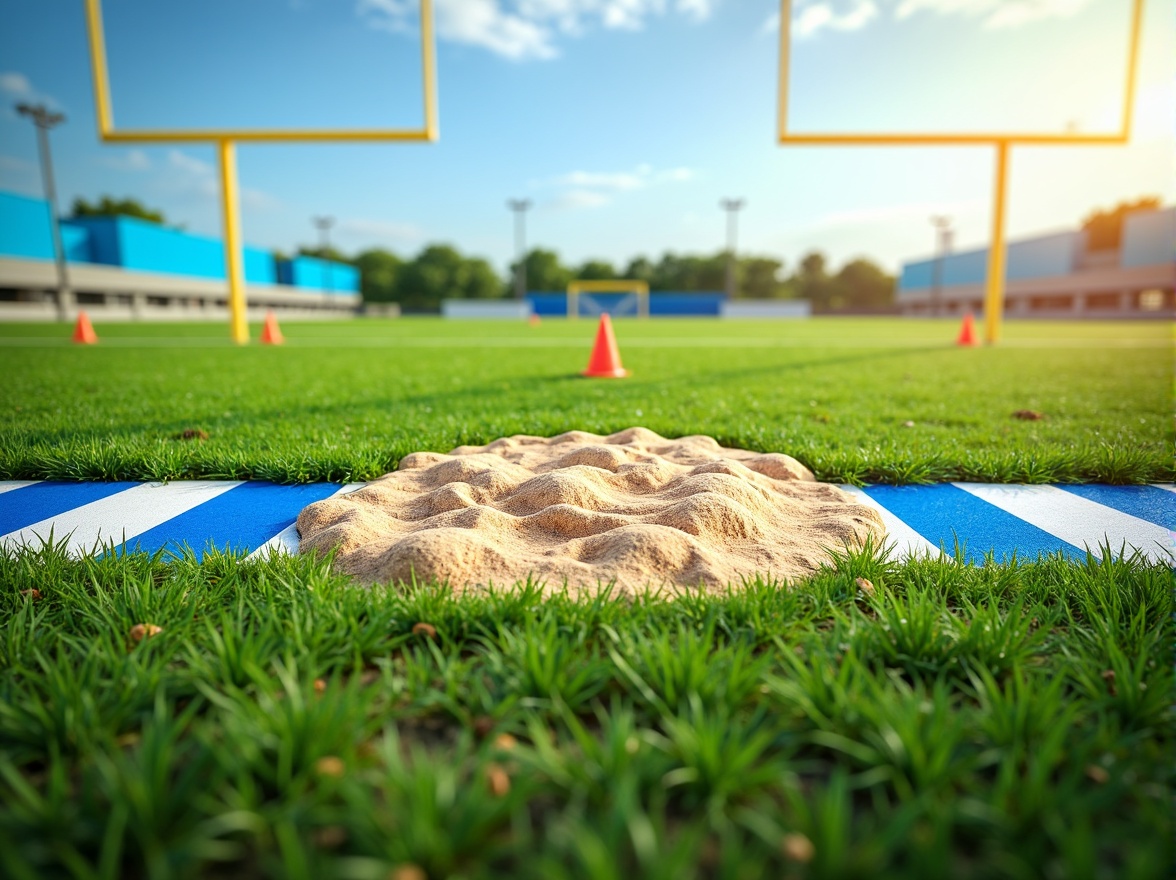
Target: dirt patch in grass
{"x":585,"y":509}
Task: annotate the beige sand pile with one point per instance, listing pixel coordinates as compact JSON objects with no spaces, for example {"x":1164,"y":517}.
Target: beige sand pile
{"x":585,"y":509}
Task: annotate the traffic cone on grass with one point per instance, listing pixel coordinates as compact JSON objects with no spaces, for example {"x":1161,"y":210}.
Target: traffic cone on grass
{"x":967,"y":331}
{"x":84,"y":331}
{"x":271,"y":333}
{"x":605,"y":362}
{"x":533,"y":320}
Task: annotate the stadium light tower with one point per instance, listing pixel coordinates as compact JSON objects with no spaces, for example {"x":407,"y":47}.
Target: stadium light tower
{"x":44,"y":120}
{"x":324,"y":225}
{"x":732,"y":207}
{"x":943,"y":236}
{"x":520,"y":206}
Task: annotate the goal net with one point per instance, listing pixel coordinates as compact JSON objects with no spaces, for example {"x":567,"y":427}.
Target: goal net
{"x":620,"y":299}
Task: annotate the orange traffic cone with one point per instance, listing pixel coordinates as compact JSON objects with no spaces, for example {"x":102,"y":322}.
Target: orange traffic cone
{"x":271,"y":334}
{"x":84,"y":331}
{"x":605,"y":362}
{"x":967,"y":331}
{"x":533,"y":320}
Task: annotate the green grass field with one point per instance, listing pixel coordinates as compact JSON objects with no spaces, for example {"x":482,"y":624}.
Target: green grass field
{"x":954,"y":721}
{"x":935,"y":719}
{"x":346,"y":400}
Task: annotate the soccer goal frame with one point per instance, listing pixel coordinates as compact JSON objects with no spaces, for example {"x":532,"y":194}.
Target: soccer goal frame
{"x":640,"y":288}
{"x":1002,"y":141}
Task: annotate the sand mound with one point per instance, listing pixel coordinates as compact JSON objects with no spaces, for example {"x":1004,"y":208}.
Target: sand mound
{"x":586,"y":509}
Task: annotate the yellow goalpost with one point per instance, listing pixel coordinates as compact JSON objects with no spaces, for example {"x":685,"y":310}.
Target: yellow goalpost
{"x":639,"y":288}
{"x":1002,"y":141}
{"x":226,"y":141}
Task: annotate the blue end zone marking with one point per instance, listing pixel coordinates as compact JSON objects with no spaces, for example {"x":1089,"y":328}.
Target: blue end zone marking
{"x":30,"y":504}
{"x":942,"y":513}
{"x":241,"y":519}
{"x":1146,"y":502}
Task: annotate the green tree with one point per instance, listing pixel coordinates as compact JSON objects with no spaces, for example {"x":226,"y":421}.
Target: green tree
{"x":439,"y":272}
{"x":640,"y":269}
{"x":812,"y":281}
{"x":379,"y":272}
{"x":760,"y":278}
{"x":111,"y":207}
{"x":544,"y":271}
{"x":596,"y":270}
{"x":690,"y":272}
{"x":330,"y":252}
{"x":862,"y":284}
{"x":480,"y":281}
{"x":1104,"y":229}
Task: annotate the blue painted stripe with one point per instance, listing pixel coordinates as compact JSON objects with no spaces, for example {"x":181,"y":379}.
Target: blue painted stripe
{"x":22,"y":507}
{"x":942,"y":513}
{"x":1149,"y":503}
{"x":241,"y":519}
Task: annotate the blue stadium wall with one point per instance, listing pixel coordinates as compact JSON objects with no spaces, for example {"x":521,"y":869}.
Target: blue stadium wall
{"x":1149,"y":239}
{"x":1042,"y":257}
{"x":26,"y":231}
{"x":136,"y":245}
{"x":700,"y":304}
{"x":311,"y":273}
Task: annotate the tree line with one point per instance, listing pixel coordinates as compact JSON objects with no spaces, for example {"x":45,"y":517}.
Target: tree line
{"x":438,"y":271}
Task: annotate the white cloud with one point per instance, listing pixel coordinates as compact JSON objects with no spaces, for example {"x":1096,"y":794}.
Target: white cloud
{"x":131,"y":160}
{"x":384,"y":231}
{"x":182,"y":162}
{"x":816,"y":17}
{"x":16,"y":165}
{"x":525,"y":29}
{"x":579,"y":198}
{"x":810,"y":18}
{"x":593,"y":189}
{"x":189,"y":175}
{"x":995,"y":14}
{"x":889,"y":214}
{"x":15,"y":85}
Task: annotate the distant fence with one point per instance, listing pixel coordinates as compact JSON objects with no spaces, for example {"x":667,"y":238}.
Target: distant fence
{"x":700,"y":304}
{"x":767,"y":308}
{"x":481,"y":308}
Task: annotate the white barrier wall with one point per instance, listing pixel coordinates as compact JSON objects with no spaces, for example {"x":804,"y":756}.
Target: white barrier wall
{"x":480,"y":308}
{"x":766,"y":308}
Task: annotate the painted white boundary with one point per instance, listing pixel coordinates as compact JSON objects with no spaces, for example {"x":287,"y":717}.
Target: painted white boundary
{"x":1075,"y":519}
{"x":907,"y":542}
{"x":135,"y":510}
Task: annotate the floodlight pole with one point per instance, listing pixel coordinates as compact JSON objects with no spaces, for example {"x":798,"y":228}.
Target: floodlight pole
{"x":324,"y":226}
{"x":43,"y":120}
{"x":234,"y":267}
{"x":520,"y":206}
{"x":942,"y":226}
{"x":732,"y":207}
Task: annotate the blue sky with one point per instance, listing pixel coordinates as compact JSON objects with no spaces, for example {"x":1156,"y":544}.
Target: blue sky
{"x":625,"y":121}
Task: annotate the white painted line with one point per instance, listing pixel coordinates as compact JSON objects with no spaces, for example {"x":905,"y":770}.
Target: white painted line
{"x":287,"y":540}
{"x":120,"y":516}
{"x":9,"y":485}
{"x":1076,"y":520}
{"x":907,"y":542}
